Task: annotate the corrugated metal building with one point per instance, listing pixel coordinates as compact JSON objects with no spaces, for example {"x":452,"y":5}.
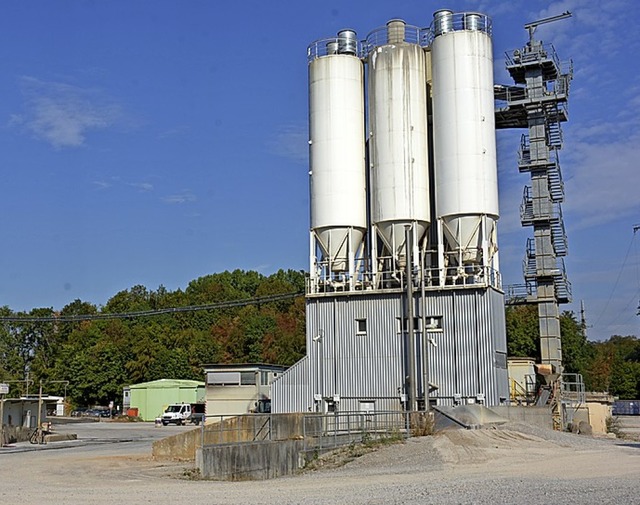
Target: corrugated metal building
{"x":357,"y":351}
{"x":151,"y":398}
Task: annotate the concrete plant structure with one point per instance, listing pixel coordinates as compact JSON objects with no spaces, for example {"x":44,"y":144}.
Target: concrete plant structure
{"x":404,"y":302}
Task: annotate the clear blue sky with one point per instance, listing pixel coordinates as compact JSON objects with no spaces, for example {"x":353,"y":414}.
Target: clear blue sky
{"x":153,"y":142}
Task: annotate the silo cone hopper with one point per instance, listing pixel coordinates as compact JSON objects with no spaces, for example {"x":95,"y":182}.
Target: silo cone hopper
{"x":463,"y":237}
{"x":339,"y":246}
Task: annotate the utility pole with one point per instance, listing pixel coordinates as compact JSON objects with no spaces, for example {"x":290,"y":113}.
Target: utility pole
{"x":635,"y":229}
{"x":39,"y":408}
{"x":4,"y":389}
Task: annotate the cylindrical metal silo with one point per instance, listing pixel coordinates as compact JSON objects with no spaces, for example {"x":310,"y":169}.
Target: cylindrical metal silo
{"x":337,"y":149}
{"x":399,"y":175}
{"x":464,"y":135}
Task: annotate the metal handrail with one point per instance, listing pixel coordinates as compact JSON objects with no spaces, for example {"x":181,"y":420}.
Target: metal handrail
{"x":318,"y":430}
{"x":521,"y":94}
{"x":380,"y":37}
{"x":538,"y":52}
{"x":555,"y":208}
{"x":331,"y":46}
{"x":458,"y":21}
{"x":327,"y":282}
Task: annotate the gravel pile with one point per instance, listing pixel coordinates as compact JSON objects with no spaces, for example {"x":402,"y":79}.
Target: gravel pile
{"x":513,"y":464}
{"x":561,"y":438}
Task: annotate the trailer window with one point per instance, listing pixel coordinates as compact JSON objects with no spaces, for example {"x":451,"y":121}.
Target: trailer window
{"x":223,"y":378}
{"x":247,"y":378}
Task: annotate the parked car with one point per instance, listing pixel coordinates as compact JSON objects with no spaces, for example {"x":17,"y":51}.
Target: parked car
{"x":197,"y":413}
{"x":79,"y":412}
{"x":98,"y":412}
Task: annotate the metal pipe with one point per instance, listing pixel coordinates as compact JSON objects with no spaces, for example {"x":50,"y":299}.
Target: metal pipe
{"x":411,"y":338}
{"x":425,"y":341}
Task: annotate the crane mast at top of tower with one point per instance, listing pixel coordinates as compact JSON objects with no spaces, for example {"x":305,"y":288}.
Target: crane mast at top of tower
{"x":531,"y":27}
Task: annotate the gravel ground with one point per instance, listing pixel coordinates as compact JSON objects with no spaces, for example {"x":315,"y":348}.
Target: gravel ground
{"x":516,"y":463}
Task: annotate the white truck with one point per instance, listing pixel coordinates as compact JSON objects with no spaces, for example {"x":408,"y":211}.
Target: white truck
{"x":182,"y":413}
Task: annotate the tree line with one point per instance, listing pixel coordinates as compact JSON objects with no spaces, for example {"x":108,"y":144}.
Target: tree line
{"x":91,"y":360}
{"x":612,"y":365}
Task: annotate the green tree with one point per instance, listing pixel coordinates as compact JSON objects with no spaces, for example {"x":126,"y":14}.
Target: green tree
{"x":523,"y":332}
{"x":615,"y":367}
{"x":577,"y":353}
{"x":12,"y":361}
{"x":99,"y":357}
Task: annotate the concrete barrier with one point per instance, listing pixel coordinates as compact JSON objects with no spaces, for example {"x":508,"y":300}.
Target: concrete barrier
{"x":181,"y":446}
{"x":60,"y":437}
{"x":251,"y":461}
{"x":238,"y":429}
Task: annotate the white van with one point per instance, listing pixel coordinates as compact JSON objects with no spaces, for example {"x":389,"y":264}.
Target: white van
{"x":177,"y":413}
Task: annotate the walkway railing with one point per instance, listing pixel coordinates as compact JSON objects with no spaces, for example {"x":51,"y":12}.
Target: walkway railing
{"x":319,"y":431}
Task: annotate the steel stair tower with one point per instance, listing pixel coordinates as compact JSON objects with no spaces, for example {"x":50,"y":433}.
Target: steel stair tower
{"x":537,"y":102}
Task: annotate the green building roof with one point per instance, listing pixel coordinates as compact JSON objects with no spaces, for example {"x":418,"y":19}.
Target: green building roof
{"x":168,"y":384}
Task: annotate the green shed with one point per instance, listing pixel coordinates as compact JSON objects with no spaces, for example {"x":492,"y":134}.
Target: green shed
{"x":152,"y":398}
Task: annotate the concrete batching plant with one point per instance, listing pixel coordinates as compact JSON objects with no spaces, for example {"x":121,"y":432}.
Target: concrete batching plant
{"x":404,"y":301}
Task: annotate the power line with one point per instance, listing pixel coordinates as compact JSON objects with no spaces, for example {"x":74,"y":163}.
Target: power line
{"x":615,"y":286}
{"x":148,"y":313}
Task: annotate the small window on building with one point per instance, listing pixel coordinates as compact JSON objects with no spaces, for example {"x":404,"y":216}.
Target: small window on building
{"x":367,"y":406}
{"x":501,"y":360}
{"x":264,"y":378}
{"x":434,"y":323}
{"x":247,"y":378}
{"x":361,"y":326}
{"x":402,"y":324}
{"x":223,"y":378}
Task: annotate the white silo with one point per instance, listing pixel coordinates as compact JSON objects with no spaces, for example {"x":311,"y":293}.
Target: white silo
{"x":398,"y":136}
{"x":337,"y":157}
{"x":464,"y":140}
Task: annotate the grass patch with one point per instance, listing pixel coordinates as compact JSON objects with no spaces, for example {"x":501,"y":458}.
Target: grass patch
{"x":344,"y":455}
{"x":191,"y":474}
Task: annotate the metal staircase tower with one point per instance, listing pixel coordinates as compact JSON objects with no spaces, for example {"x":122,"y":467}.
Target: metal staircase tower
{"x":537,"y":102}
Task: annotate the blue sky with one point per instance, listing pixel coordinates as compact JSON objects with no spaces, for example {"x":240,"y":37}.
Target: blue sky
{"x":153,"y":142}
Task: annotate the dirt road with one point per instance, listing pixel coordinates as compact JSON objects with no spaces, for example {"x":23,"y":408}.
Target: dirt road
{"x":517,"y":464}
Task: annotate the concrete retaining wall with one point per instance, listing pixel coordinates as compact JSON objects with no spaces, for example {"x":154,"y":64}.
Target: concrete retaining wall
{"x":250,"y":461}
{"x":538,"y":416}
{"x":241,"y":429}
{"x":180,"y":447}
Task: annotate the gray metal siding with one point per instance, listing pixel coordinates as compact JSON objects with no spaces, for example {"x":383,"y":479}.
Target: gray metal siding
{"x":291,"y":391}
{"x":371,"y":366}
{"x":357,"y":365}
